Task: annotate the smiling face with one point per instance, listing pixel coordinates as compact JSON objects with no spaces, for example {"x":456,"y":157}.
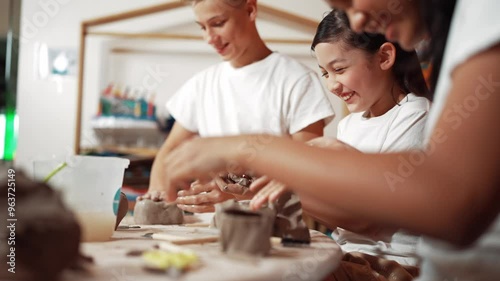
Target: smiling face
{"x":226,"y":28}
{"x":355,"y":77}
{"x":399,"y":20}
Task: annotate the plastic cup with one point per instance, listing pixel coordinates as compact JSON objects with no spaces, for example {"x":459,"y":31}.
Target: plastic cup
{"x":90,"y":187}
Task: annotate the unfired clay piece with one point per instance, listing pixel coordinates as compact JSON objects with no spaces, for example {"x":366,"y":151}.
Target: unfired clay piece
{"x":46,"y":233}
{"x":151,"y":212}
{"x":245,"y":232}
{"x":289,"y":224}
{"x":243,"y":180}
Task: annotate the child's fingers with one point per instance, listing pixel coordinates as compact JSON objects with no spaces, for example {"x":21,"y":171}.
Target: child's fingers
{"x":152,"y":195}
{"x":197,"y":208}
{"x":229,"y":187}
{"x":197,"y":188}
{"x":261,"y":197}
{"x":275,"y":190}
{"x":257,"y":202}
{"x":155,"y":196}
{"x":259,"y":183}
{"x":277,"y":193}
{"x":220,"y":182}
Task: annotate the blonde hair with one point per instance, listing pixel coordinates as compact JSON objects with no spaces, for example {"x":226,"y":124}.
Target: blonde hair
{"x":232,"y":3}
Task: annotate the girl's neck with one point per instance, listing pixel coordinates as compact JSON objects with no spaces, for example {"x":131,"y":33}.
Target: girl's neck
{"x":387,"y":101}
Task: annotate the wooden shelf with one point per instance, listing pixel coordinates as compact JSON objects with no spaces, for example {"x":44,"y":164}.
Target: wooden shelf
{"x":88,"y":28}
{"x":136,"y":151}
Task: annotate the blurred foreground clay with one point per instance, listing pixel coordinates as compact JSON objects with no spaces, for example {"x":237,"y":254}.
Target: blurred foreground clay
{"x":44,"y":239}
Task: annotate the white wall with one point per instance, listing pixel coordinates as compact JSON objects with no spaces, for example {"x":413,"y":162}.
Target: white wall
{"x":47,"y":116}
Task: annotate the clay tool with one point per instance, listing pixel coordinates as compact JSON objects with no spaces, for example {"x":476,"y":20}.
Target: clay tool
{"x":178,"y":240}
{"x":128,"y":226}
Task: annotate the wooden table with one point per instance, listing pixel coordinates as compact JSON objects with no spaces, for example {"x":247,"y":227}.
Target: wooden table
{"x":111,"y":262}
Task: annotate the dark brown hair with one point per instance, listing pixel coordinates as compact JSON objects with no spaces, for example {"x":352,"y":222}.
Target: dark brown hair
{"x":437,"y":15}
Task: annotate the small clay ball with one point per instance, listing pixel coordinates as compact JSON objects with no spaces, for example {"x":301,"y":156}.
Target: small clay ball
{"x":152,"y":212}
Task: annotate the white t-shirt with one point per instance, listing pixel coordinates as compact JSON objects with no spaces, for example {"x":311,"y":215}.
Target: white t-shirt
{"x":474,"y":28}
{"x":399,"y":129}
{"x":276,"y":95}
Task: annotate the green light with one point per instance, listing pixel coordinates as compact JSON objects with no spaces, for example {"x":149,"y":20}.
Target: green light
{"x":10,"y":135}
{"x":11,"y":66}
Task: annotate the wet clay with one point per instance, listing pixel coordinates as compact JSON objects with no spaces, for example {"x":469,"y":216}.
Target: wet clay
{"x":243,"y":180}
{"x":289,"y":224}
{"x":152,"y":212}
{"x":47,"y":234}
{"x":245,"y":232}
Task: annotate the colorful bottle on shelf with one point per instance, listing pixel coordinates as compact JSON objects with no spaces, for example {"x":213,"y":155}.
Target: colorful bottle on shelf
{"x":128,"y":103}
{"x":144,"y":105}
{"x":151,"y":107}
{"x":137,"y":104}
{"x":105,"y":104}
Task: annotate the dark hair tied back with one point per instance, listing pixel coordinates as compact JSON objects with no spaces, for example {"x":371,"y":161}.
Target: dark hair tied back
{"x":335,"y":27}
{"x":437,"y":15}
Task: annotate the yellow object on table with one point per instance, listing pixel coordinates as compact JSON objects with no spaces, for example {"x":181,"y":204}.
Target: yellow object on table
{"x":162,"y":260}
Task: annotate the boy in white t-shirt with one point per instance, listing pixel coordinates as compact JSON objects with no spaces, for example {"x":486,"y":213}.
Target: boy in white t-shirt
{"x":254,"y":90}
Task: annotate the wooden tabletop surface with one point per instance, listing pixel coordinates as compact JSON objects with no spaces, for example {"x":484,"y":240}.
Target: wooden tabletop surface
{"x":112,"y":261}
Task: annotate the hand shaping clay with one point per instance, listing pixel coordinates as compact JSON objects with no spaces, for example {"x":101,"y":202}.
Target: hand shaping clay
{"x":152,"y":212}
{"x":46,"y":233}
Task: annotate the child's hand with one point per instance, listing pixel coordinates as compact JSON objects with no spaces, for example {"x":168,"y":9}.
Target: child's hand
{"x":153,"y":195}
{"x":201,"y":198}
{"x":268,"y":191}
{"x":240,"y":187}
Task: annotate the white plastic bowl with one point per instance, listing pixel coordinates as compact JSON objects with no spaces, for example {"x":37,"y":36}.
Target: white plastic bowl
{"x":89,"y":186}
